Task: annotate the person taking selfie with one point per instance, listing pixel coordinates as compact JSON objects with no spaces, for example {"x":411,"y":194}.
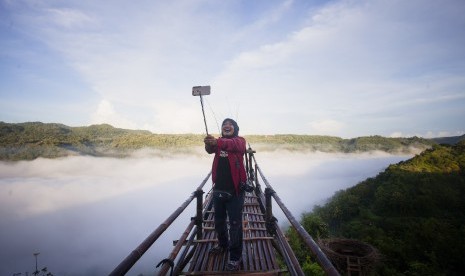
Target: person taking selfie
{"x":228,"y":175}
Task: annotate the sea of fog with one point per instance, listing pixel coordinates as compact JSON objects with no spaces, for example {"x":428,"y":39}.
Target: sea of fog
{"x":84,"y":215}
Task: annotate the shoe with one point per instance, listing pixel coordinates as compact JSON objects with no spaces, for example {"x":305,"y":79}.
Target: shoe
{"x":233,"y":265}
{"x":217,"y":250}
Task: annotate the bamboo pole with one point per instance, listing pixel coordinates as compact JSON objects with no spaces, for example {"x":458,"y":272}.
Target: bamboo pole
{"x":180,"y":243}
{"x":322,"y":260}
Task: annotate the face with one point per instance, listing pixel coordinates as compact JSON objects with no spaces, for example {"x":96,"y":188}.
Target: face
{"x":227,"y":129}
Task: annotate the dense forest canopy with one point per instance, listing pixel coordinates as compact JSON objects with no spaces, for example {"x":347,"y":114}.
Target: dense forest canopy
{"x":413,"y":213}
{"x":35,"y":139}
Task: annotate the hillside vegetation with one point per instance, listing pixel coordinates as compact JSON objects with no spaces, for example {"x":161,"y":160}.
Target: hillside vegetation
{"x":27,"y":141}
{"x":413,"y":213}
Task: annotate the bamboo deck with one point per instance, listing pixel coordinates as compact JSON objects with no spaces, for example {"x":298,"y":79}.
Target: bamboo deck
{"x":258,"y":255}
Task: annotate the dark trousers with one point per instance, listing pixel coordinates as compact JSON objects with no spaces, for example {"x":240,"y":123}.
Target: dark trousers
{"x":230,"y":206}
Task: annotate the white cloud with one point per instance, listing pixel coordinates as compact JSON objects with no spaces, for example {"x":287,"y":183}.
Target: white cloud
{"x":396,"y":134}
{"x":433,"y":134}
{"x":326,"y":127}
{"x":173,"y":117}
{"x":85,"y":180}
{"x":427,"y":134}
{"x":106,"y":114}
{"x":375,"y":62}
{"x":70,"y":18}
{"x":104,"y":111}
{"x":350,"y":57}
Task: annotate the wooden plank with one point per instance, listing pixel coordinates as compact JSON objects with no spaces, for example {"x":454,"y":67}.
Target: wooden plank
{"x":258,"y":255}
{"x":246,"y":248}
{"x":206,"y":247}
{"x":211,"y":236}
{"x":199,"y":253}
{"x":256,"y":245}
{"x":271,"y":262}
{"x":245,"y":239}
{"x":221,"y":272}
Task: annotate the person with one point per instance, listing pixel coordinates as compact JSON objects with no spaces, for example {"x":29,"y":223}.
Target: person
{"x":228,"y":174}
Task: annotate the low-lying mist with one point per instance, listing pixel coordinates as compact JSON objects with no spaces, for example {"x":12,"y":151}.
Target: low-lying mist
{"x":85,"y":214}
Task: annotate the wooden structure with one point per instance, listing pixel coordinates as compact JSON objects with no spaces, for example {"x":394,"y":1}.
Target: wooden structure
{"x":353,"y":266}
{"x":258,"y":252}
{"x":263,"y":240}
{"x":354,"y":257}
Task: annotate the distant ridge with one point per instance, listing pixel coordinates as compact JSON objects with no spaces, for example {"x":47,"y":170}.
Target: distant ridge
{"x":30,"y":140}
{"x":449,"y":140}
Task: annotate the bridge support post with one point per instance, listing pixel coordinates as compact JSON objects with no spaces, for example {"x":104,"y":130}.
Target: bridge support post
{"x":198,"y":218}
{"x":269,"y":211}
{"x":258,"y":188}
{"x":248,"y":160}
{"x":269,"y":218}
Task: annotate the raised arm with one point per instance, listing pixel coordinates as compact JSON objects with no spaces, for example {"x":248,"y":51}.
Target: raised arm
{"x":236,"y":144}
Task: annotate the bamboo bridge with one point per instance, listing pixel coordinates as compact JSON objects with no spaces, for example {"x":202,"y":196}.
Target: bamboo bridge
{"x":263,"y":240}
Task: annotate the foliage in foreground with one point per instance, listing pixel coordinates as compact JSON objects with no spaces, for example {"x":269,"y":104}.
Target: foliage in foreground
{"x":413,"y":213}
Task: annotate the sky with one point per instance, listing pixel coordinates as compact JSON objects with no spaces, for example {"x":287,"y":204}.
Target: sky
{"x":345,"y":68}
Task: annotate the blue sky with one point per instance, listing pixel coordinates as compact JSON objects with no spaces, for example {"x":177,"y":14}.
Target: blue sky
{"x":343,"y":68}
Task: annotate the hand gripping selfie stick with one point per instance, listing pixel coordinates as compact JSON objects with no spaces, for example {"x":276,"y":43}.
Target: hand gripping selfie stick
{"x":200,"y":91}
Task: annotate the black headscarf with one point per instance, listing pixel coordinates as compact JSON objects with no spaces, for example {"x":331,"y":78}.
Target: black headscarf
{"x":236,"y":126}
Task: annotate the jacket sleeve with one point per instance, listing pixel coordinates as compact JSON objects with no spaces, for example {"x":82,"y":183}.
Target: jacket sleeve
{"x":235,"y":145}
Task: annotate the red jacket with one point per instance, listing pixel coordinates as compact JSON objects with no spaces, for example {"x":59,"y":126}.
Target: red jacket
{"x":236,"y":149}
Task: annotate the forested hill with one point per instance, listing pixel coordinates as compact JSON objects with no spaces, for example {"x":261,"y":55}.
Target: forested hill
{"x":26,"y":141}
{"x":413,"y":213}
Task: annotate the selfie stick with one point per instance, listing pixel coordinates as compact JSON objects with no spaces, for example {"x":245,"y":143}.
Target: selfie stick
{"x":203,"y":112}
{"x":200,"y":91}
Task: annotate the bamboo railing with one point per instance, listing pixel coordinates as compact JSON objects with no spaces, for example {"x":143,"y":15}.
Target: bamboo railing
{"x":263,"y":240}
